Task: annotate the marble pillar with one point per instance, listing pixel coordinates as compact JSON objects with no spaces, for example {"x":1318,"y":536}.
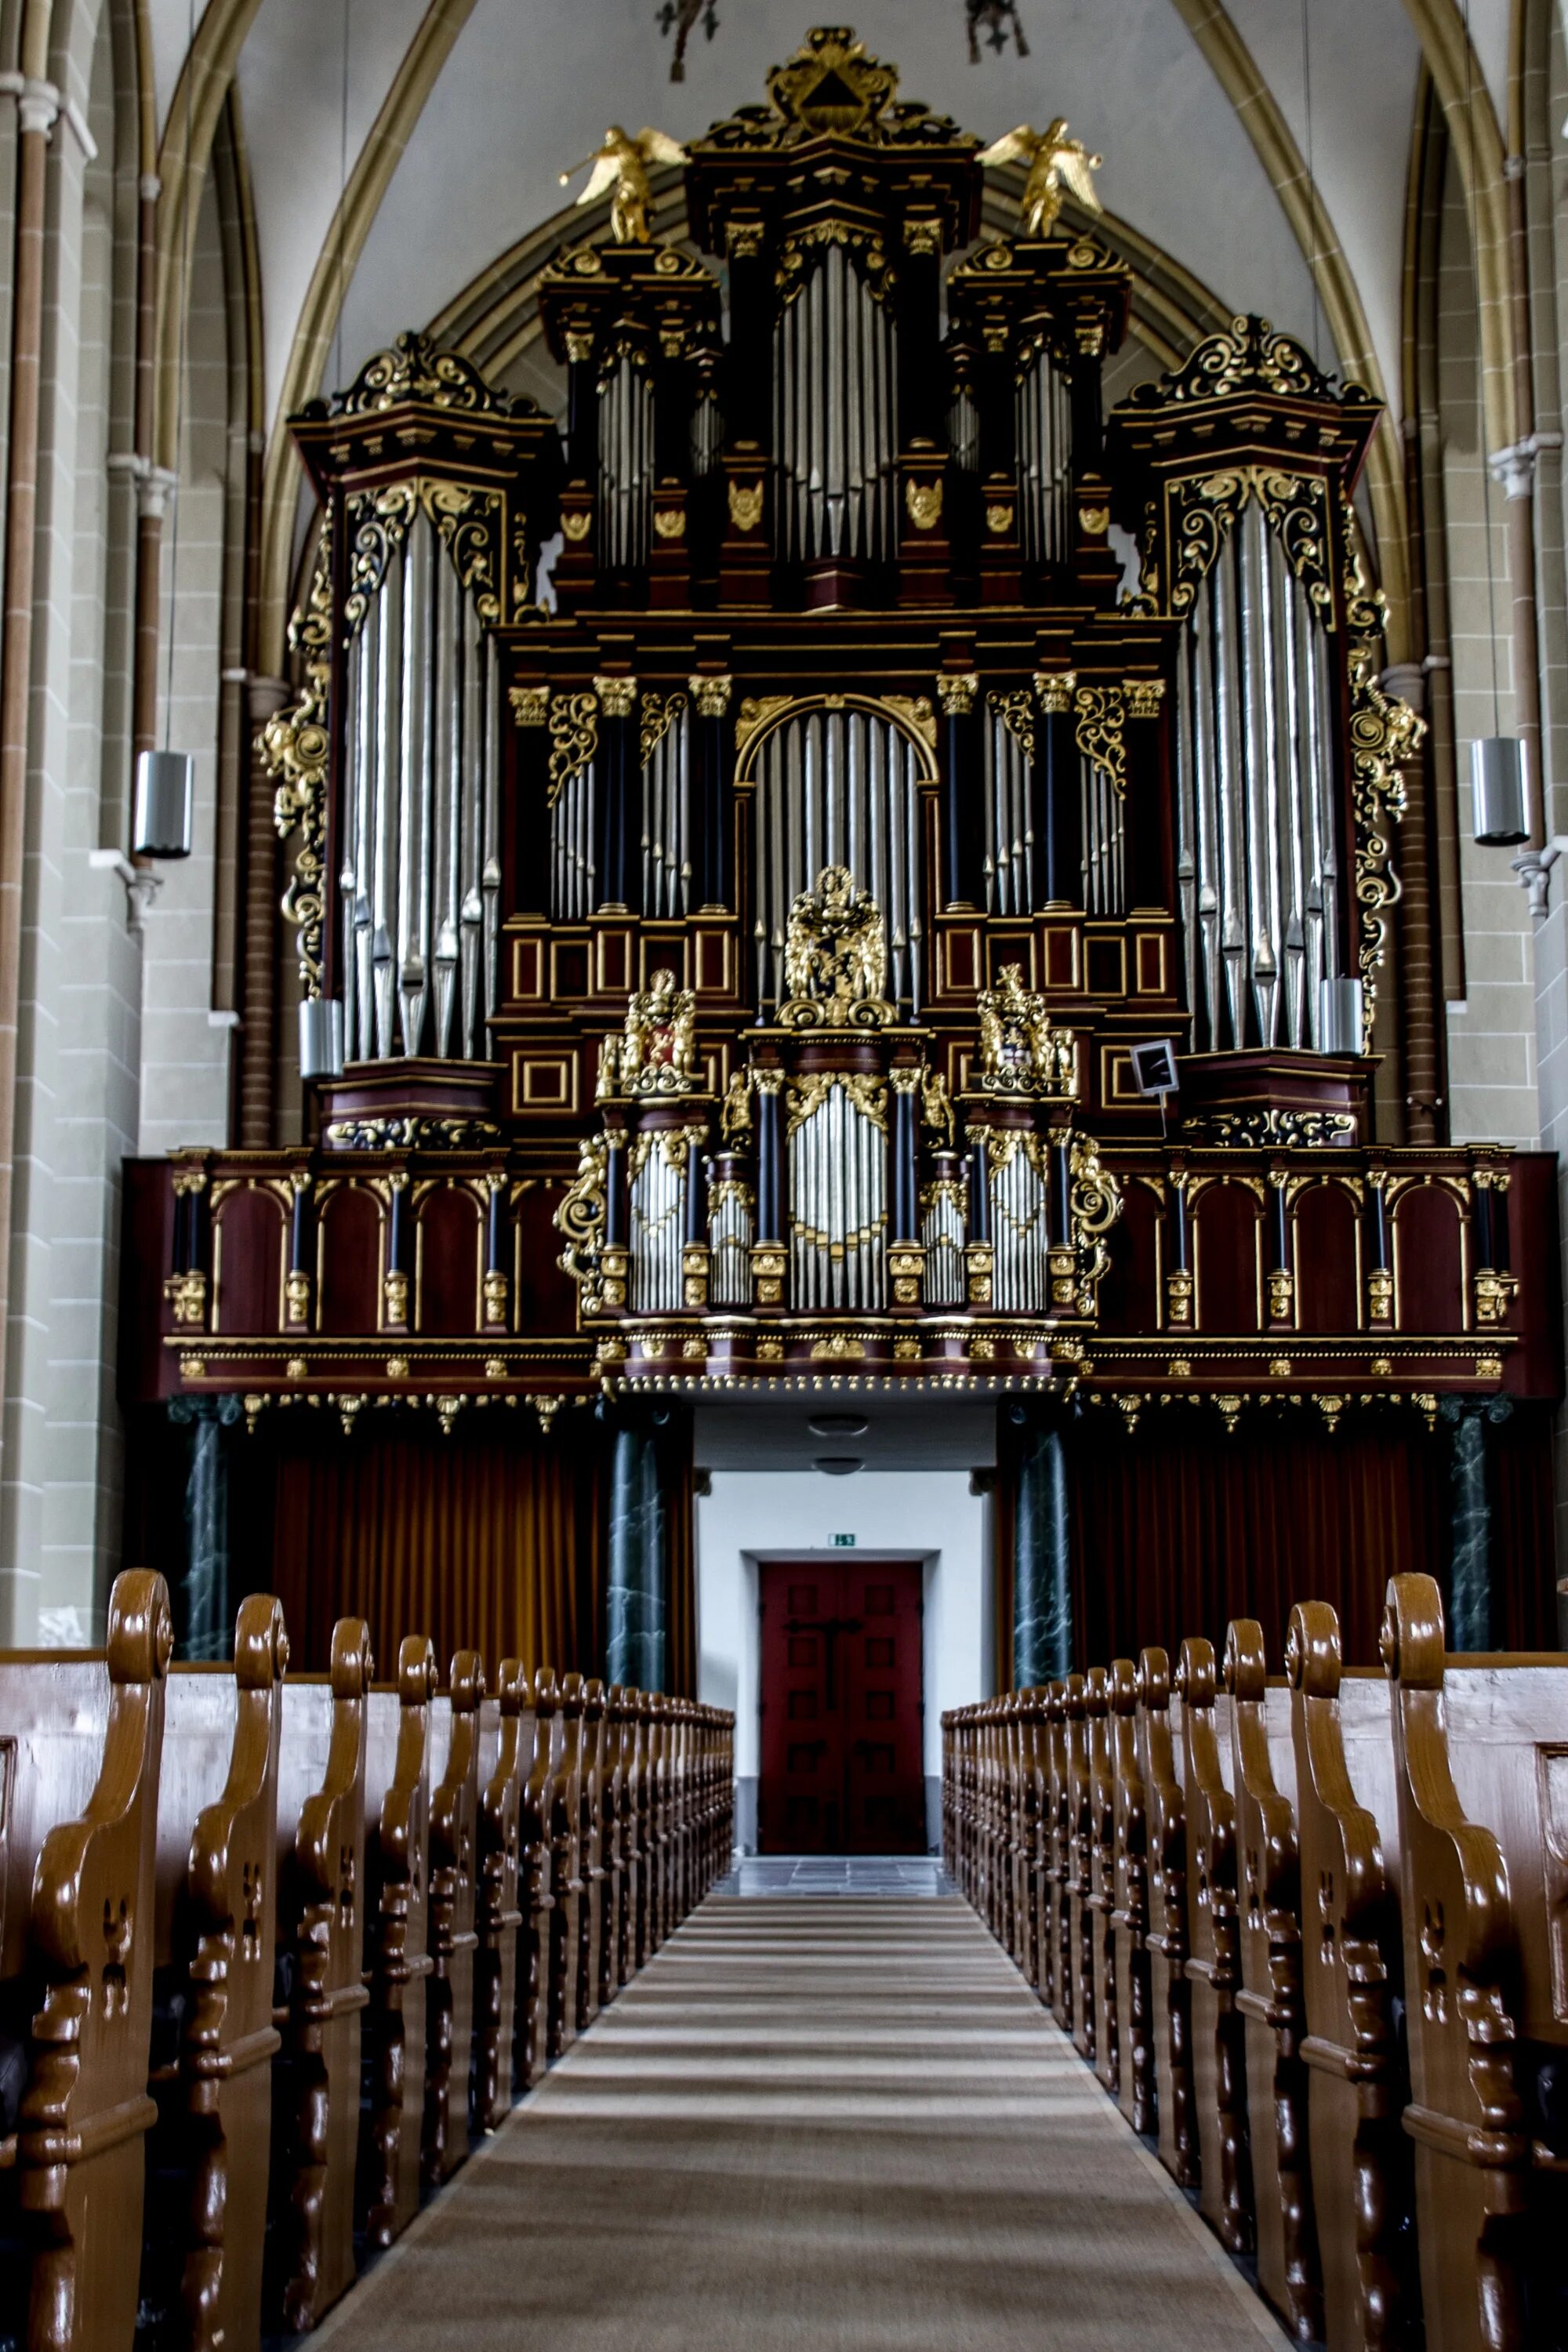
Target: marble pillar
{"x":637,"y":1586}
{"x":1472,"y":1530}
{"x":1042,"y":1560}
{"x":204,"y":1609}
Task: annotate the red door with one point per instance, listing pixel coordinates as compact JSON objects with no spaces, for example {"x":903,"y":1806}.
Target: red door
{"x":842,"y":1748}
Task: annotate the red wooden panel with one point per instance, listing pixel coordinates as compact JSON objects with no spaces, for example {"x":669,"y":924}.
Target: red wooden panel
{"x":248,"y":1261}
{"x":547,"y":1298}
{"x":1003,"y":948}
{"x":1327,"y":1294}
{"x":1060,"y":943}
{"x":1428,"y":1265}
{"x":710,"y":961}
{"x":842,"y":1761}
{"x":1226,"y":1261}
{"x":349,"y":1260}
{"x":1130,"y":1293}
{"x":449,"y":1266}
{"x":1105,"y":968}
{"x":528,"y":969}
{"x":961,"y":958}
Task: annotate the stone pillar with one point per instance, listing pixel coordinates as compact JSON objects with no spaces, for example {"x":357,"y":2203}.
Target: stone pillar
{"x":204,"y":1612}
{"x":1042,"y":1559}
{"x":636,"y":1597}
{"x":1471,"y":1518}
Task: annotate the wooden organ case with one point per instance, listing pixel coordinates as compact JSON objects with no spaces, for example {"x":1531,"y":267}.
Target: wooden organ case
{"x":746,"y":942}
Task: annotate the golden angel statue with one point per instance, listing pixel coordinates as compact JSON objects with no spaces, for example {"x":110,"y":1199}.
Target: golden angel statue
{"x":623,"y":163}
{"x":1055,"y":162}
{"x":1020,"y":1052}
{"x":656,"y":1051}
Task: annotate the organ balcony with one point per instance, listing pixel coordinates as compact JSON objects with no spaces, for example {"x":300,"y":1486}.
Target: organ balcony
{"x":760,"y":836}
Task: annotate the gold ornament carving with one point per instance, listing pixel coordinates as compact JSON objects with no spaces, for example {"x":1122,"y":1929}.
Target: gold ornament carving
{"x":577,"y":525}
{"x":530,"y":705}
{"x":1016,"y":713}
{"x":295,"y":746}
{"x":1057,"y":166}
{"x":835,"y":958}
{"x":756,"y":712}
{"x":914,"y":714}
{"x":863,"y":1090}
{"x":712,"y":695}
{"x":670,"y":522}
{"x":573,"y":740}
{"x":621,"y":166}
{"x":1144,"y":696}
{"x":616,"y":695}
{"x":998,"y":520}
{"x":1055,"y":689}
{"x":747,"y":505}
{"x":1384,"y":733}
{"x":956,"y":693}
{"x":1100,"y":711}
{"x":659,"y":715}
{"x":416,"y":369}
{"x":924,"y":500}
{"x":654,"y":1052}
{"x":580,"y":1219}
{"x":1021,"y":1052}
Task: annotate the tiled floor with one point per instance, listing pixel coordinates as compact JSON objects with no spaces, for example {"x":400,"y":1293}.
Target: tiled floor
{"x":837,"y":1874}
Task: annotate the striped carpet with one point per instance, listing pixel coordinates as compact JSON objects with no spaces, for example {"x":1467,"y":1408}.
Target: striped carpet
{"x":812,"y":2124}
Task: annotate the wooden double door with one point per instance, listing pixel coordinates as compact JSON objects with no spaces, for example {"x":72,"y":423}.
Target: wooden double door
{"x":842,"y":1750}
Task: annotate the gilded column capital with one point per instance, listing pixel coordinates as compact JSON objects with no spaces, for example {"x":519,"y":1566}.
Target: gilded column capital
{"x":712,"y":695}
{"x":956,"y":692}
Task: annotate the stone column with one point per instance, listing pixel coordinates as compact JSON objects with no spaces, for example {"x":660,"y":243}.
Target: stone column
{"x":1042,"y":1558}
{"x":636,"y":1599}
{"x":1471,"y":1517}
{"x":204,"y":1612}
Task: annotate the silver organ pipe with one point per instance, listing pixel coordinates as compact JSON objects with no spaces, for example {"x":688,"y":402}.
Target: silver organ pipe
{"x":1019,"y":1212}
{"x":729,"y":1224}
{"x":837,"y":1205}
{"x":573,"y":896}
{"x":963,"y":430}
{"x":943,"y":1230}
{"x":625,"y":463}
{"x":666,"y":820}
{"x":419,"y":880}
{"x":835,"y":427}
{"x":1258,"y":869}
{"x":707,"y":434}
{"x":658,"y":1221}
{"x":841,"y":788}
{"x":1104,"y":853}
{"x":1043,"y":427}
{"x":1009,"y":834}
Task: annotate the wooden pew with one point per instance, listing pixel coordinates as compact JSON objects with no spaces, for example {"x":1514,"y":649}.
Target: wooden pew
{"x":1077,"y":1884}
{"x":1032,"y":1876}
{"x":319,"y":1878}
{"x":1270,"y":1997}
{"x":214,"y":1936}
{"x":1214,"y":1959}
{"x":1169,"y":1994}
{"x":590,"y":1848}
{"x":623,"y":1714}
{"x":397,"y":1943}
{"x":566,"y":1858}
{"x":499,"y":1907}
{"x":1481,"y":1752}
{"x":536,"y":1889}
{"x":1101,"y":1900}
{"x":658,"y":1822}
{"x":81,"y":1738}
{"x":1057,"y":1841}
{"x":1347,"y":1821}
{"x":454,"y":1936}
{"x":1129,"y":1917}
{"x":612,"y":1846}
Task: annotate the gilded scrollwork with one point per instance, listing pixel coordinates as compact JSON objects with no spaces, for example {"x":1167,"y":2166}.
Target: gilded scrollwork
{"x":1016,"y":712}
{"x":656,"y":715}
{"x":1250,"y":356}
{"x":866,"y":1092}
{"x":580,"y":1219}
{"x":574,"y":739}
{"x":654,"y":1052}
{"x":864,"y":246}
{"x":1100,"y":712}
{"x":295,"y":747}
{"x":1021,"y":1052}
{"x":415,"y":368}
{"x":832,"y":83}
{"x":1384,"y":732}
{"x":469,"y":522}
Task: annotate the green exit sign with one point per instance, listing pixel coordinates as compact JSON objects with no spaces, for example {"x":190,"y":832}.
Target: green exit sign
{"x":843,"y":1543}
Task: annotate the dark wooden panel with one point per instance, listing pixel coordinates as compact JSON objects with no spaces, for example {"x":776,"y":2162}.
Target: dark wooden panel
{"x":1129,"y":1294}
{"x":1428,"y":1288}
{"x":1327,"y":1290}
{"x":450,"y":1264}
{"x":349,"y":1256}
{"x":248,"y":1261}
{"x":1225,"y":1257}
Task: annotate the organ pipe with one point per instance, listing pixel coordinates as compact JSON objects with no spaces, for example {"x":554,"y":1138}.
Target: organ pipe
{"x":626,"y":462}
{"x":1043,"y":432}
{"x":835,"y":436}
{"x":837,"y":1178}
{"x":1258,"y":862}
{"x":420,"y":878}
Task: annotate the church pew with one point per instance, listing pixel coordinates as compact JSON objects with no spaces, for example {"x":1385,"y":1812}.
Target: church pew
{"x":590,"y":1847}
{"x":1347,"y":1821}
{"x":82,"y":1738}
{"x":1130,"y":1916}
{"x":1017,"y":1821}
{"x":658,"y":1822}
{"x":565,"y":1856}
{"x":1213,"y":1962}
{"x":1483,"y":1829}
{"x":213,"y":2036}
{"x":1058,"y":1922}
{"x":1169,"y":1994}
{"x":645,"y":1829}
{"x":1077,"y":1885}
{"x":1031,"y":1729}
{"x":320,"y":1991}
{"x":536,"y":1889}
{"x":623,"y":1714}
{"x":498,"y":1911}
{"x":397,"y":1943}
{"x":1101,"y":1900}
{"x":453,"y":1935}
{"x":612,"y":1848}
{"x":1270,"y":1997}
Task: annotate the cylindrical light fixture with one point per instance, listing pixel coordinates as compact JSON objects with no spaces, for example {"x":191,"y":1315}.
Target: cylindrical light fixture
{"x":164,"y":812}
{"x":320,"y":1037}
{"x":1339,"y":1014}
{"x":1496,"y":791}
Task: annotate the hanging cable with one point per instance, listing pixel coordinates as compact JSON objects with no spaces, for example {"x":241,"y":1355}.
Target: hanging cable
{"x":1313,"y":240}
{"x":342,"y":190}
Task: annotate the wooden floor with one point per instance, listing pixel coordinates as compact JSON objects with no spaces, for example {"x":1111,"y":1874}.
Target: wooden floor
{"x":813,"y":2123}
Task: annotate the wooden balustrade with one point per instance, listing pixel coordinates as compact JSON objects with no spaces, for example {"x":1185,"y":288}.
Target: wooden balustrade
{"x":1309,"y":1930}
{"x":276,"y":1951}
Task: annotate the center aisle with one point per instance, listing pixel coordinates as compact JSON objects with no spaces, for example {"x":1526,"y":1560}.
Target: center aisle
{"x":813,"y":2123}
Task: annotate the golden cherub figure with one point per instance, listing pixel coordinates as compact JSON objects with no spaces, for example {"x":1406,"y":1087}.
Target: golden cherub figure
{"x":1021,"y":1050}
{"x":1055,"y":162}
{"x":623,"y":163}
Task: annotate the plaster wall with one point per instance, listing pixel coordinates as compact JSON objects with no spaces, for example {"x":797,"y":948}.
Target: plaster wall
{"x":752,"y":1515}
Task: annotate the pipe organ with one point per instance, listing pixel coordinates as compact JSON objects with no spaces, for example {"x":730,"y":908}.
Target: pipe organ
{"x":749,"y":951}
